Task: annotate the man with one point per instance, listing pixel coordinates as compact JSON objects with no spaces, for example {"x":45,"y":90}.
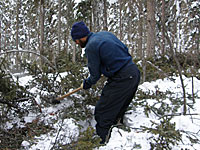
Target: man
{"x":107,"y":55}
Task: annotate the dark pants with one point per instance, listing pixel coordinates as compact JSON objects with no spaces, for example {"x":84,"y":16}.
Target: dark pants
{"x":115,"y":98}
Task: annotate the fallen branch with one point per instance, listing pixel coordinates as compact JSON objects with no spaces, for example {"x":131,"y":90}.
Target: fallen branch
{"x":180,"y":114}
{"x":7,"y":103}
{"x":32,"y":52}
{"x":22,"y":99}
{"x":157,"y":68}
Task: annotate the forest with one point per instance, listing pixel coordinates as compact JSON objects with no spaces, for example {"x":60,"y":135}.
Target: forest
{"x":163,"y":37}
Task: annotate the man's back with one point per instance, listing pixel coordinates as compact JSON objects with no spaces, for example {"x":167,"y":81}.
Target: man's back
{"x":112,"y":52}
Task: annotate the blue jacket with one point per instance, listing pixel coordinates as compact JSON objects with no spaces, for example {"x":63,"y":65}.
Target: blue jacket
{"x":106,"y":55}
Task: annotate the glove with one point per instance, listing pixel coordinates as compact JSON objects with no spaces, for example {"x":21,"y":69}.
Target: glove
{"x":85,"y":85}
{"x":81,"y":85}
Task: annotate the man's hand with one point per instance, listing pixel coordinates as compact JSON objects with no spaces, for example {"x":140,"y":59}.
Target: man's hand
{"x":81,"y":85}
{"x":85,"y":85}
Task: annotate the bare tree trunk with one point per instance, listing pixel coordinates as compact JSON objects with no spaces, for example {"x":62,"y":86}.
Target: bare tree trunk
{"x":0,"y":35}
{"x":144,"y":69}
{"x":120,"y":19}
{"x":90,"y":23}
{"x":175,"y":34}
{"x":66,"y":43}
{"x":140,"y":31}
{"x":93,"y":29}
{"x":29,"y":39}
{"x":151,"y":28}
{"x":198,"y":40}
{"x":41,"y":28}
{"x":193,"y":89}
{"x":74,"y":53}
{"x":193,"y":72}
{"x":59,"y":25}
{"x":105,"y":23}
{"x":163,"y":26}
{"x":17,"y":35}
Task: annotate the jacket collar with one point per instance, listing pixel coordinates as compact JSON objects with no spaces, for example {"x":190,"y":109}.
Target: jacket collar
{"x":89,"y":35}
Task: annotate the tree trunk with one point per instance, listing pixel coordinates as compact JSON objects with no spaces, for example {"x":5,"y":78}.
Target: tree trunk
{"x":17,"y":35}
{"x":29,"y":39}
{"x":193,"y":89}
{"x":59,"y":25}
{"x":140,"y":31}
{"x":163,"y":26}
{"x":66,"y":42}
{"x":74,"y":53}
{"x":198,"y":41}
{"x":143,"y":69}
{"x":0,"y":34}
{"x":105,"y":23}
{"x":120,"y":19}
{"x":94,"y":17}
{"x":41,"y":28}
{"x":151,"y":28}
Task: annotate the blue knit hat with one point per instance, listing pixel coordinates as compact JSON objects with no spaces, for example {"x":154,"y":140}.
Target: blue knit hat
{"x":79,"y":30}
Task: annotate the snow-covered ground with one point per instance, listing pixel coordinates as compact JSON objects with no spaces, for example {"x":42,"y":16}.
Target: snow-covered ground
{"x":120,"y":139}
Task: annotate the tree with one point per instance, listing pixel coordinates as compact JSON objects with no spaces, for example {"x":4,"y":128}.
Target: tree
{"x":194,"y":26}
{"x":17,"y":34}
{"x":0,"y":23}
{"x":68,"y":15}
{"x":140,"y":30}
{"x":41,"y":28}
{"x":59,"y":25}
{"x":163,"y":27}
{"x":121,"y":5}
{"x":0,"y":34}
{"x":105,"y":25}
{"x":151,"y":28}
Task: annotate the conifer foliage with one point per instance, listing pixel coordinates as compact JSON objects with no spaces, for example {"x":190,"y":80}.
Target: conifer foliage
{"x":155,"y":31}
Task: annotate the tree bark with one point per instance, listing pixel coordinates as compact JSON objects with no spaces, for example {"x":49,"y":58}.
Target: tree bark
{"x":0,"y":34}
{"x":59,"y":25}
{"x":74,"y":53}
{"x":105,"y":23}
{"x":140,"y":31}
{"x":151,"y":28}
{"x":163,"y":26}
{"x":120,"y":19}
{"x":41,"y":28}
{"x":17,"y":35}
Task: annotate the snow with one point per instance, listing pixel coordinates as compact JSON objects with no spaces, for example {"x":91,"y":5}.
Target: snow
{"x":67,"y":130}
{"x":111,"y":1}
{"x":169,"y":85}
{"x":45,"y":143}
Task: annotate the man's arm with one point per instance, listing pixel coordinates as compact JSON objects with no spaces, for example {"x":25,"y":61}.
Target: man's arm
{"x":94,"y":65}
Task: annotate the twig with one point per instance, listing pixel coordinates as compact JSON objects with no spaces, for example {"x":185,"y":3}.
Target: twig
{"x":22,"y":99}
{"x":57,"y":135}
{"x":37,"y":105}
{"x":180,"y":114}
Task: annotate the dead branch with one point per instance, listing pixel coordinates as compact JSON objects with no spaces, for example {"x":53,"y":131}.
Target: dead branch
{"x":178,"y":66}
{"x":9,"y":104}
{"x":32,"y":52}
{"x":157,"y":68}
